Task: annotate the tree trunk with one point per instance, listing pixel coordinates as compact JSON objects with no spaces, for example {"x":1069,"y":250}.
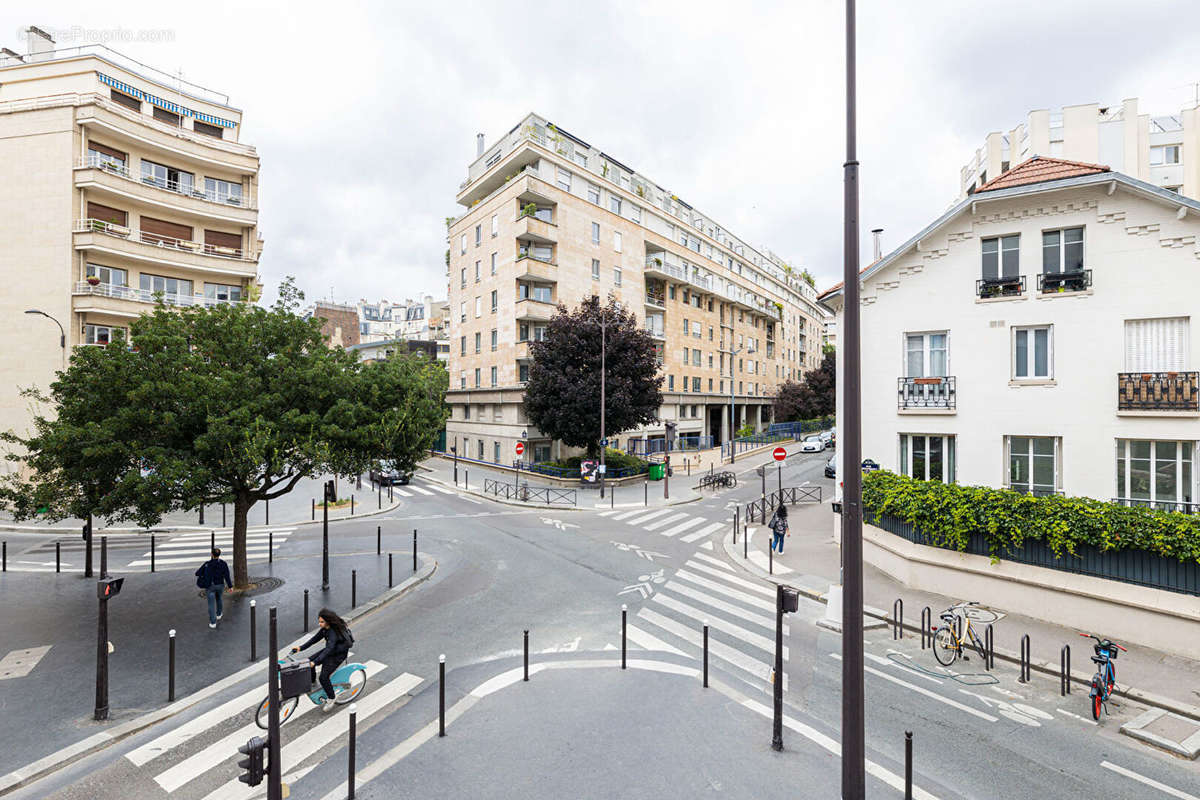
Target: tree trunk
{"x":241,"y":572}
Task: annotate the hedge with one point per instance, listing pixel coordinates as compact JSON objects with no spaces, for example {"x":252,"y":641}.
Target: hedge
{"x":949,"y":513}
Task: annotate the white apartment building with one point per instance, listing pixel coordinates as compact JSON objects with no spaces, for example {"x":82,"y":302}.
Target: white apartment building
{"x":551,"y":219}
{"x":423,"y":319}
{"x":121,"y":184}
{"x":1039,"y":336}
{"x":1161,"y":150}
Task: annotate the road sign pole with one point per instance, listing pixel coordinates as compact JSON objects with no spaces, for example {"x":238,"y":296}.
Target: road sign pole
{"x":275,"y":768}
{"x":101,"y":710}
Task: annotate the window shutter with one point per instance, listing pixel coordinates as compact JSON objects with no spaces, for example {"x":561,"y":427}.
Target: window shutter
{"x":1156,"y":345}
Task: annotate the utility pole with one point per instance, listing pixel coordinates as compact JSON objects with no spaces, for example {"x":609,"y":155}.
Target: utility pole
{"x":732,"y":402}
{"x":275,"y":768}
{"x":853,"y":743}
{"x":328,"y":490}
{"x":603,"y":441}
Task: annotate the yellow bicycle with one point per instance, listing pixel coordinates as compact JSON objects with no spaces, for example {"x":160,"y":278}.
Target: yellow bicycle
{"x":951,"y":639}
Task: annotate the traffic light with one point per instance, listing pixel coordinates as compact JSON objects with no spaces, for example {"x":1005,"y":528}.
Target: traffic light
{"x":253,"y":763}
{"x":108,"y":588}
{"x":790,"y":600}
{"x":330,"y":491}
{"x":671,"y":426}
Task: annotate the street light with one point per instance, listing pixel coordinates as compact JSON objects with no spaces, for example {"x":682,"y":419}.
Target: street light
{"x":603,"y":380}
{"x":62,"y":334}
{"x":732,"y":408}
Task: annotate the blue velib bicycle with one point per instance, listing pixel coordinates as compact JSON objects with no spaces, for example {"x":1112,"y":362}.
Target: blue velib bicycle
{"x":1106,"y":673}
{"x":348,"y":681}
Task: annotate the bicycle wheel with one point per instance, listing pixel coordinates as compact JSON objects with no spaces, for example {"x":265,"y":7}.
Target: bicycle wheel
{"x":1097,"y":697}
{"x":945,"y":648}
{"x":356,"y":681}
{"x":262,"y":716}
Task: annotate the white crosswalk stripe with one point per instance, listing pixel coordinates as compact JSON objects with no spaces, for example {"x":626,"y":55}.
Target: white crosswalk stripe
{"x":609,"y":512}
{"x":420,"y":490}
{"x":647,"y":517}
{"x":624,"y":515}
{"x":441,"y":489}
{"x":187,"y":548}
{"x":735,"y":580}
{"x":661,"y":522}
{"x":757,"y":668}
{"x":402,"y":492}
{"x":683,"y":526}
{"x":716,"y":562}
{"x":649,"y":641}
{"x":700,"y":534}
{"x":719,"y":624}
{"x":768,"y":605}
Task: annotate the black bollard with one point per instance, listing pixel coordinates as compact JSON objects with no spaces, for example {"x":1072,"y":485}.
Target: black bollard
{"x":270,"y":547}
{"x":908,"y":765}
{"x":253,"y":633}
{"x":379,"y":500}
{"x":306,"y":610}
{"x":352,"y":505}
{"x":58,"y":557}
{"x":926,"y":627}
{"x":705,"y":654}
{"x":414,"y":549}
{"x":201,"y":513}
{"x":771,"y":558}
{"x":898,"y":619}
{"x":623,"y":613}
{"x":389,"y":570}
{"x":442,"y":695}
{"x":222,"y":515}
{"x":171,"y":666}
{"x":526,"y":655}
{"x":314,"y":509}
{"x":646,"y":492}
{"x":152,"y":552}
{"x":212,"y":541}
{"x":736,"y":521}
{"x":988,"y":644}
{"x":353,"y":733}
{"x":1064,"y":688}
{"x":103,"y":556}
{"x":1025,"y":659}
{"x":378,"y":540}
{"x":353,"y":588}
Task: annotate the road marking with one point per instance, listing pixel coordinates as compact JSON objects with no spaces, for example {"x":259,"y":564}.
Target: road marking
{"x":717,"y":623}
{"x":762,"y":620}
{"x":760,"y":670}
{"x":921,"y":690}
{"x":609,"y":512}
{"x":1162,"y":787}
{"x":441,"y":489}
{"x":402,"y":492}
{"x":683,"y":526}
{"x":706,"y":545}
{"x":1076,"y":716}
{"x":754,"y":587}
{"x":662,"y":523}
{"x":700,"y":534}
{"x":732,"y":593}
{"x":647,"y":517}
{"x":173,"y":738}
{"x":624,"y":515}
{"x":649,"y":641}
{"x":716,"y":562}
{"x":250,"y":556}
{"x":422,"y":491}
{"x":20,"y":663}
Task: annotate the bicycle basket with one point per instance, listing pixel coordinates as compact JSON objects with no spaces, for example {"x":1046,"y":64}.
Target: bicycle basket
{"x":295,"y":680}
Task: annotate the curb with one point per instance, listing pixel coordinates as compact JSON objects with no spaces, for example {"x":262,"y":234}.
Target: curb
{"x":102,"y":739}
{"x":1048,"y":668}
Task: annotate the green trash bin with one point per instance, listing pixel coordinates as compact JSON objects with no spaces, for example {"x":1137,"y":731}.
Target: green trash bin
{"x":657,"y":471}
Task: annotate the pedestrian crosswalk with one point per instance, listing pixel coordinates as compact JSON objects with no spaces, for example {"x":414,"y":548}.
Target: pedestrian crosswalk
{"x":740,"y":615}
{"x":194,"y":548}
{"x":668,"y":522}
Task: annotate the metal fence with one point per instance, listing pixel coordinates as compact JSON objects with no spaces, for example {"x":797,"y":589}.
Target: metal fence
{"x":1128,"y":566}
{"x":761,"y":508}
{"x":529,"y":494}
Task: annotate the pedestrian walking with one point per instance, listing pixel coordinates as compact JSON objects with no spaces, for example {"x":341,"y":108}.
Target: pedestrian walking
{"x":213,"y":578}
{"x":338,"y":641}
{"x":779,"y":528}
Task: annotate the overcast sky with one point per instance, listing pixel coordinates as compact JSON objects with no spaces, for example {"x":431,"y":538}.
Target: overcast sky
{"x":365,"y":114}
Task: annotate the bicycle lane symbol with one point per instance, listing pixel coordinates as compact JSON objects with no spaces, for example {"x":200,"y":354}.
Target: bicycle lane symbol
{"x":1017,"y":712}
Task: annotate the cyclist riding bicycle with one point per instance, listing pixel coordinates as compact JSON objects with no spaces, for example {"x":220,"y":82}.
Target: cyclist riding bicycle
{"x":338,"y":640}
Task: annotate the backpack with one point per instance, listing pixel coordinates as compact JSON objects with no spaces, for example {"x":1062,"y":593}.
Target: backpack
{"x":202,"y":579}
{"x":774,"y":523}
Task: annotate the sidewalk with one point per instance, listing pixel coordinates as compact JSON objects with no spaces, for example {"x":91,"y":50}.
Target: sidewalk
{"x":810,"y":562}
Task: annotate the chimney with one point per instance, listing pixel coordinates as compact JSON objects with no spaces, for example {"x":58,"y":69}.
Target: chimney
{"x":478,"y":145}
{"x":876,"y":232}
{"x":39,"y":43}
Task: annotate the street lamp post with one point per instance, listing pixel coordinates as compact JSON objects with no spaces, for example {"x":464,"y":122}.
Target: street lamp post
{"x":603,"y":441}
{"x":732,"y":409}
{"x":62,"y":334}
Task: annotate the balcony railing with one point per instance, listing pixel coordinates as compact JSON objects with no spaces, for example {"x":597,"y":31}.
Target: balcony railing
{"x":114,"y":167}
{"x":653,"y":299}
{"x":1076,"y":281}
{"x":146,"y":296}
{"x":543,"y":254}
{"x":123,"y":232}
{"x":936,"y":392}
{"x":1158,"y":391}
{"x":1008,"y":286}
{"x":1185,"y":507}
{"x":655,"y":331}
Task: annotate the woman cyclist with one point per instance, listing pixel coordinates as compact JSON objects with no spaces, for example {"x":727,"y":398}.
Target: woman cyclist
{"x":333,"y":630}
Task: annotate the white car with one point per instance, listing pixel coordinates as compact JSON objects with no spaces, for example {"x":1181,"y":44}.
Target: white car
{"x":812,"y":444}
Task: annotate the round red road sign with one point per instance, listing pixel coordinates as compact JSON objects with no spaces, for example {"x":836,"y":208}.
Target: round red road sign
{"x":779,"y":453}
{"x":520,"y":448}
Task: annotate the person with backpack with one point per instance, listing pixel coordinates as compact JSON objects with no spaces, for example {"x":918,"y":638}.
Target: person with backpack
{"x":779,"y":528}
{"x":213,"y":578}
{"x":338,"y":640}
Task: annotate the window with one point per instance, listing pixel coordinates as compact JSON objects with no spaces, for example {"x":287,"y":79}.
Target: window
{"x":595,"y":233}
{"x":635,"y":213}
{"x":614,"y":203}
{"x":167,"y":177}
{"x":595,"y":269}
{"x":593,"y":194}
{"x":224,"y":293}
{"x":109,"y":276}
{"x":101,"y":156}
{"x":478,"y":336}
{"x":1156,"y":474}
{"x":696,"y":356}
{"x":617,"y":241}
{"x":580,"y":158}
{"x":710,"y":379}
{"x":480,"y":449}
{"x":1000,"y":257}
{"x":523,"y":332}
{"x":925,"y":355}
{"x":102,"y":334}
{"x":496,"y":452}
{"x":710,"y":331}
{"x":710,"y":361}
{"x":671,"y":291}
{"x":215,"y":131}
{"x":523,"y":373}
{"x":616,"y":276}
{"x":927,"y":458}
{"x":493,"y":376}
{"x":1032,"y":353}
{"x":462,"y":311}
{"x":696,"y":329}
{"x":126,"y":100}
{"x":170,"y":117}
{"x":495,"y":340}
{"x":467,"y":410}
{"x":1156,"y":345}
{"x":1062,"y":251}
{"x":686,"y":355}
{"x":478,"y":235}
{"x":462,"y":381}
{"x":478,"y":306}
{"x":463,"y":276}
{"x":171,"y":288}
{"x":462,"y":243}
{"x":539,"y":333}
{"x":477,"y":271}
{"x":1033,"y":464}
{"x":493,"y":263}
{"x":1165,"y":154}
{"x":477,"y":386}
{"x":695,"y":384}
{"x":540,"y":294}
{"x":223,"y":191}
{"x":495,"y":229}
{"x":671,"y":383}
{"x":463,"y":342}
{"x":564,"y":180}
{"x":494,"y":301}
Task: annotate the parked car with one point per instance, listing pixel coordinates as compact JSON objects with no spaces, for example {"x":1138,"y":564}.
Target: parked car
{"x":386,"y":474}
{"x":831,"y":466}
{"x":812,"y":444}
{"x":827,"y":438}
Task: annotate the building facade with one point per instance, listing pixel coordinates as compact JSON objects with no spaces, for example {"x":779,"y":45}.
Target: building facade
{"x":551,"y":219}
{"x":1161,"y":150}
{"x":423,"y":319}
{"x":1038,"y":337}
{"x":121,"y":185}
{"x":339,"y":322}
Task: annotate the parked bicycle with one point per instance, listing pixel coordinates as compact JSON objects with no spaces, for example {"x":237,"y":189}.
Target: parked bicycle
{"x":348,"y":681}
{"x":1106,"y":672}
{"x":956,"y":633}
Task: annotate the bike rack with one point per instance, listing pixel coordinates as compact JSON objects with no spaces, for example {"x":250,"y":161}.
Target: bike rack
{"x":1064,"y":687}
{"x":1025,"y":659}
{"x":989,"y":658}
{"x":926,"y":627}
{"x":898,"y":619}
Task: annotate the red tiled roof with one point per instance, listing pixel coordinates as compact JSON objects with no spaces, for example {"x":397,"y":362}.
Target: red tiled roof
{"x":840,"y":284}
{"x":1039,"y":169}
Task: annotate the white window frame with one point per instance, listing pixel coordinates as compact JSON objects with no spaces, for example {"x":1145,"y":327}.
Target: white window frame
{"x":462,"y":244}
{"x":495,"y":224}
{"x":1058,"y":460}
{"x":949,"y":455}
{"x":614,"y":203}
{"x":563,"y":179}
{"x":1160,"y":151}
{"x":926,"y":353}
{"x":616,"y":276}
{"x":1185,"y":486}
{"x":616,"y":241}
{"x":595,"y":269}
{"x":593,"y":193}
{"x":595,"y":233}
{"x":478,"y":306}
{"x":1030,"y":354}
{"x":1157,"y":344}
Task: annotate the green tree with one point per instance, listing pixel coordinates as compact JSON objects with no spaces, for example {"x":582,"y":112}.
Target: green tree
{"x":813,"y":397}
{"x":562,"y":396}
{"x":234,"y":404}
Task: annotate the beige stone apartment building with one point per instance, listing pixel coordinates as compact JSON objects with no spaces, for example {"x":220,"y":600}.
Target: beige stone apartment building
{"x":552,"y":219}
{"x":120,"y":183}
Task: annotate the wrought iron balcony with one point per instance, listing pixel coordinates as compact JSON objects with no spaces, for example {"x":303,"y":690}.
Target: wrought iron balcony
{"x":932,"y":393}
{"x":1008,"y":286}
{"x":1076,"y":281}
{"x":1158,"y":391}
{"x":1184,"y":507}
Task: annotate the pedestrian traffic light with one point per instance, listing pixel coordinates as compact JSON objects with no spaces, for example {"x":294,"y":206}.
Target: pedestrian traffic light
{"x":671,"y":426}
{"x":789,"y":600}
{"x":108,"y":588}
{"x":330,"y":491}
{"x":253,"y":763}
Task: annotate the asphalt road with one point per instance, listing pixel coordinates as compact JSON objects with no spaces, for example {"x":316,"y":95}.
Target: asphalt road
{"x":583,"y":732}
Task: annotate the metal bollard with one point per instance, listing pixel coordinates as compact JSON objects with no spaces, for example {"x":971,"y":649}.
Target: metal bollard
{"x":253,"y":632}
{"x":771,"y":558}
{"x":152,"y":552}
{"x":103,"y":556}
{"x":389,"y":570}
{"x":212,"y":541}
{"x":735,"y":525}
{"x":1025,"y":659}
{"x":171,"y":666}
{"x":898,"y":619}
{"x":201,"y":513}
{"x":624,"y":610}
{"x":58,"y":555}
{"x":705,"y":654}
{"x":223,"y":515}
{"x":379,"y":497}
{"x":989,"y":661}
{"x":526,"y":655}
{"x":267,"y":511}
{"x":926,"y":627}
{"x":270,"y":547}
{"x":1064,"y":656}
{"x":353,"y":588}
{"x":908,"y":765}
{"x":314,"y":509}
{"x":350,"y":766}
{"x":646,"y":492}
{"x":352,"y":505}
{"x":466,"y":479}
{"x":612,"y":497}
{"x":306,"y":610}
{"x":442,"y":695}
{"x":746,"y":539}
{"x":414,"y":549}
{"x":378,"y":540}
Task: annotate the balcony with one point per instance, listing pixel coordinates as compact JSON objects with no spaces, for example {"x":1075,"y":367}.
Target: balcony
{"x":537,"y":253}
{"x":1064,"y":282}
{"x":994,"y":288}
{"x":656,"y":300}
{"x":532,"y":228}
{"x":109,"y":173}
{"x":532,"y":269}
{"x":931,"y":395}
{"x":656,"y":331}
{"x":95,"y":234}
{"x":530,"y":310}
{"x":1182,"y":506}
{"x":659,"y":266}
{"x":117,"y":294}
{"x":1158,"y":391}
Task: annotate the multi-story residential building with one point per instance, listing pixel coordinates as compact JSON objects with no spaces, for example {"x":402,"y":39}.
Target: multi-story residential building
{"x":1038,"y":336}
{"x":339,"y":322}
{"x":121,"y":184}
{"x":1160,"y":150}
{"x":551,"y":219}
{"x":424,"y":320}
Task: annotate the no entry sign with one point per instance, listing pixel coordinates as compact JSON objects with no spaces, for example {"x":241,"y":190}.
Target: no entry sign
{"x":520,"y":448}
{"x":779,"y":453}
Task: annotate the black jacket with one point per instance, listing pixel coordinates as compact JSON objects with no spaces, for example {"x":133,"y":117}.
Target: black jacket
{"x":215,"y":572}
{"x":336,"y":646}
